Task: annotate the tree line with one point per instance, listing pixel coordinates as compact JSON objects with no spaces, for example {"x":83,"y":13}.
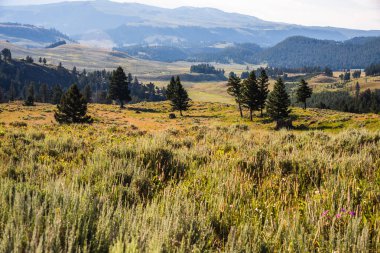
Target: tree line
{"x":48,"y":82}
{"x":253,"y":94}
{"x":73,"y":105}
{"x":206,"y":69}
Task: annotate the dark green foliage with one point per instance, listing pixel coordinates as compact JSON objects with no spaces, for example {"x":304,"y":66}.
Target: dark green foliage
{"x":244,"y":75}
{"x":57,"y":44}
{"x":73,"y":108}
{"x":44,"y":94}
{"x":170,"y":89}
{"x":118,"y":87}
{"x":30,"y":96}
{"x":206,"y":69}
{"x":235,"y":89}
{"x":56,"y":95}
{"x":365,"y":102}
{"x":373,"y":70}
{"x":250,"y":94}
{"x":329,"y":72}
{"x":14,"y":76}
{"x":357,"y":90}
{"x":278,"y":102}
{"x":87,"y":93}
{"x":263,"y":85}
{"x":303,"y":92}
{"x":357,"y":74}
{"x":29,"y":59}
{"x":301,"y":51}
{"x":178,"y":96}
{"x":44,"y":61}
{"x":7,"y":55}
{"x":12,"y":91}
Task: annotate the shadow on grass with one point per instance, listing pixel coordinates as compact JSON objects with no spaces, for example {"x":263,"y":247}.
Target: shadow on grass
{"x":202,"y":116}
{"x":141,"y":109}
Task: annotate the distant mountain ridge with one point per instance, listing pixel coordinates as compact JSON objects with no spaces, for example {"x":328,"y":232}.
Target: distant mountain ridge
{"x":123,"y":24}
{"x":293,"y":52}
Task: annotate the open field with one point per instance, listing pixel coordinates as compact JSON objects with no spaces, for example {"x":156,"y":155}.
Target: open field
{"x":207,"y":182}
{"x":92,"y":58}
{"x":154,"y":116}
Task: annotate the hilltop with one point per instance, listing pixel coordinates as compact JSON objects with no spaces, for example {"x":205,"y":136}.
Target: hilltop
{"x":30,"y":35}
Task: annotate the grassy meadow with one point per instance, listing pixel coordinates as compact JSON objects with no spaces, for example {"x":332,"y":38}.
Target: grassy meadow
{"x":137,"y":181}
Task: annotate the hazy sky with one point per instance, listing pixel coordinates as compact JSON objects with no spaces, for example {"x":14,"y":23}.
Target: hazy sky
{"x":361,"y":14}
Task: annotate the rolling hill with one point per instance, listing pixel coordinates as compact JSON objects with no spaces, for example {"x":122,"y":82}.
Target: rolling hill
{"x":300,"y":51}
{"x":113,"y":23}
{"x":30,"y":35}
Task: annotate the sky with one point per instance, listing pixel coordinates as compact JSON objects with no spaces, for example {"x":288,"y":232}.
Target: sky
{"x":359,"y":14}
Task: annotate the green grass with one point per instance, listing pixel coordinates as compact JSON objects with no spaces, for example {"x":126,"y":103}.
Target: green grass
{"x":208,"y":182}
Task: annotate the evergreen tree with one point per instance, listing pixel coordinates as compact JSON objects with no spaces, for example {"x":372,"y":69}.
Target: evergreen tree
{"x":263,"y":85}
{"x":303,"y":92}
{"x":179,"y":98}
{"x":357,"y":90}
{"x":170,"y":89}
{"x":57,"y":95}
{"x":1,"y":95}
{"x":12,"y":91}
{"x":250,"y":94}
{"x":278,"y":102}
{"x":44,"y":61}
{"x":73,"y":108}
{"x":40,"y":60}
{"x":30,"y":96}
{"x":328,"y":72}
{"x":235,"y":89}
{"x":118,"y":87}
{"x":44,"y":93}
{"x":87,"y":93}
{"x":6,"y":54}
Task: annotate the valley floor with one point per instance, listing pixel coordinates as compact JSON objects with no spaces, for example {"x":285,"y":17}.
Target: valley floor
{"x":137,"y":181}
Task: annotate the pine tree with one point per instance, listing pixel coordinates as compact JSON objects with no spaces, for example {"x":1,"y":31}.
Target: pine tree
{"x":303,"y":92}
{"x":44,"y":61}
{"x":235,"y":89}
{"x":357,"y":90}
{"x":263,"y":84}
{"x":73,"y":108}
{"x":44,"y":93}
{"x":170,"y":89}
{"x":118,"y":87}
{"x":278,"y":102}
{"x":40,"y":60}
{"x":250,"y":94}
{"x":87,"y":93}
{"x":57,"y":95}
{"x":7,"y":54}
{"x":30,"y":96}
{"x":12,"y":91}
{"x":179,"y":98}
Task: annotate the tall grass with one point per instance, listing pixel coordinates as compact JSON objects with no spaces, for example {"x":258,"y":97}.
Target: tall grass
{"x":91,"y":189}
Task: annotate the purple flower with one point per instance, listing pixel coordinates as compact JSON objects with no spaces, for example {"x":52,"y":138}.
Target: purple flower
{"x":343,"y":210}
{"x":352,"y":213}
{"x":325,"y":213}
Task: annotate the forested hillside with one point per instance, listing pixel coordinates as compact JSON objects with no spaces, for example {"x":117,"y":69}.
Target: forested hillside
{"x":17,"y":75}
{"x":294,"y":52}
{"x":302,"y":51}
